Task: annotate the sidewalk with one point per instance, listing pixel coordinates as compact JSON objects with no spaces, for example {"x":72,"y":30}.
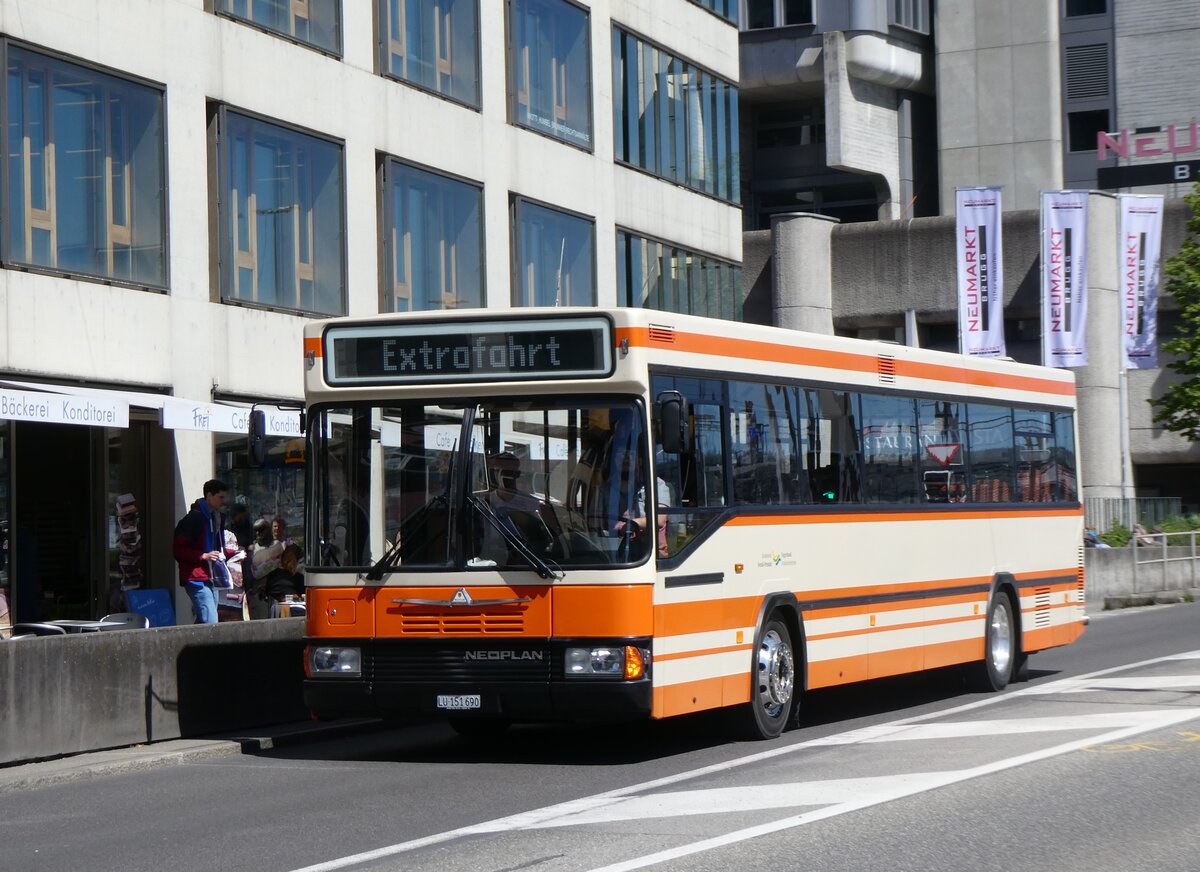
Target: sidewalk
{"x":77,"y":767}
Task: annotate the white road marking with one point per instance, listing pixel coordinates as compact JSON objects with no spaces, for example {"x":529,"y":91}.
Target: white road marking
{"x":535,"y":817}
{"x":1149,"y":682}
{"x":899,"y":791}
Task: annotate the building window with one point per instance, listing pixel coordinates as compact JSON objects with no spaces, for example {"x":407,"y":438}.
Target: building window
{"x":86,"y":182}
{"x":554,"y":256}
{"x":658,"y":275}
{"x":282,"y":230}
{"x":273,"y":491}
{"x":1077,"y":8}
{"x":674,"y":119}
{"x":549,"y":69}
{"x":317,"y":23}
{"x":910,"y":14}
{"x":434,"y":244}
{"x":1082,"y":128}
{"x":762,"y":14}
{"x":727,"y":9}
{"x":433,"y":44}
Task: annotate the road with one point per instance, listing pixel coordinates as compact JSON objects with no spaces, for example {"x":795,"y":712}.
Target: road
{"x":1093,"y":764}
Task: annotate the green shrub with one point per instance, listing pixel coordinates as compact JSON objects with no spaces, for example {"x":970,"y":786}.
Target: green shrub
{"x":1118,"y":536}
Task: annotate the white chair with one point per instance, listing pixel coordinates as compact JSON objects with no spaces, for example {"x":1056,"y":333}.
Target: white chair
{"x":124,"y":621}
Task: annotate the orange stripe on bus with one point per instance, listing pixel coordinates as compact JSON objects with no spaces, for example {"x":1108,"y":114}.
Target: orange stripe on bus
{"x":752,"y":349}
{"x":928,"y":516}
{"x":695,"y":696}
{"x":700,"y":652}
{"x":887,"y":628}
{"x":603,"y":610}
{"x":314,"y":347}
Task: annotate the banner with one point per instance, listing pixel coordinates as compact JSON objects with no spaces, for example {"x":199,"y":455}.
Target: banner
{"x":980,"y":272}
{"x":1140,"y":245}
{"x":1064,"y":278}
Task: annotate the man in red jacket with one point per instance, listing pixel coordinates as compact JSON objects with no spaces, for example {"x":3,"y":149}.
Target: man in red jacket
{"x":199,"y":541}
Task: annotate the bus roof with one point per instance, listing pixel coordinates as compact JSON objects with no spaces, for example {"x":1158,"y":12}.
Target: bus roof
{"x":637,"y":340}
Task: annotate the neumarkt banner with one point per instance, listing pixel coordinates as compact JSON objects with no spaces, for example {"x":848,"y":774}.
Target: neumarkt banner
{"x":980,"y":272}
{"x":1139,"y":249}
{"x":1064,"y":278}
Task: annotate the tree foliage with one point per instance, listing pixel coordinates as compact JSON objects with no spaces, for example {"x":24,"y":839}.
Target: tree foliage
{"x":1178,"y":409}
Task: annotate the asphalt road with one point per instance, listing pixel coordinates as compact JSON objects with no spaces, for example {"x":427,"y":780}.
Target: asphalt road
{"x":1093,"y":764}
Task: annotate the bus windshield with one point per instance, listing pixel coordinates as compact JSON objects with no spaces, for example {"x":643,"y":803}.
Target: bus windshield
{"x":541,"y":485}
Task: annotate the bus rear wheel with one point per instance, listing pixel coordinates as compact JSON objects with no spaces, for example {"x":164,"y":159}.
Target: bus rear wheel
{"x":772,"y":683}
{"x":1000,"y":648}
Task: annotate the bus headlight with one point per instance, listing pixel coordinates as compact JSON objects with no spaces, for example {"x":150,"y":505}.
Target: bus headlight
{"x":326,"y":660}
{"x":618,"y":661}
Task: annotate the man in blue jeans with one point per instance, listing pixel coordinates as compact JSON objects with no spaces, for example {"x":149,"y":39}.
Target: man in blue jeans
{"x":199,"y":542}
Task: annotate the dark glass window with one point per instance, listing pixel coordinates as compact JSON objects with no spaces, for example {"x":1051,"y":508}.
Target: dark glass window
{"x":797,"y":12}
{"x":1076,"y":8}
{"x":282,"y":231}
{"x":760,"y":14}
{"x":1082,"y":128}
{"x":1064,"y":457}
{"x":990,"y":449}
{"x":727,"y":9}
{"x":555,"y":257}
{"x":315,"y":22}
{"x":674,"y":119}
{"x":764,"y":437}
{"x":889,"y":444}
{"x":657,"y":275}
{"x":911,"y":14}
{"x":433,"y":44}
{"x":86,"y":182}
{"x":942,"y":456}
{"x":831,"y":455}
{"x":549,"y":69}
{"x":434,"y":242}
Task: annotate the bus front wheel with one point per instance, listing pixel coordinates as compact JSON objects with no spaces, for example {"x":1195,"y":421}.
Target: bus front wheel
{"x":1000,"y":648}
{"x":772,"y":683}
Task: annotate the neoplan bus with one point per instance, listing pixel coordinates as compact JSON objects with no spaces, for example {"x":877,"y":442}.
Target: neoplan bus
{"x":569,"y":514}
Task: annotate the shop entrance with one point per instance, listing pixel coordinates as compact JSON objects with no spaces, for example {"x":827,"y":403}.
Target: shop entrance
{"x":52,"y":542}
{"x":78,"y":524}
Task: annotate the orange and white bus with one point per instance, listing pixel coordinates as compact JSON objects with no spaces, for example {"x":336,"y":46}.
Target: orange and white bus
{"x":570,"y":514}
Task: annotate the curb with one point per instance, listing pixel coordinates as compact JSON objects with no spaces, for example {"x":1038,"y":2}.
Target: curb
{"x":136,"y":758}
{"x":1157,"y":598}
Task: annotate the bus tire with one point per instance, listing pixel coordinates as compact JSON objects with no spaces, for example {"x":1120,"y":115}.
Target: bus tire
{"x":1000,"y":646}
{"x":772,"y":683}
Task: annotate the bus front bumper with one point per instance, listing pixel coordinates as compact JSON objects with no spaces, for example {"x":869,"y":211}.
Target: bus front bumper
{"x":513,"y":680}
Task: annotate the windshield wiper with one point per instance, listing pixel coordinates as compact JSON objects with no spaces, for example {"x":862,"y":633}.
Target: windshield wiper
{"x":386,"y":562}
{"x":540,"y":566}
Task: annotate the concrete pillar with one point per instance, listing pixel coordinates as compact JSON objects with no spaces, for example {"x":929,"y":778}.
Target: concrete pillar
{"x":801,"y":274}
{"x":1098,"y":385}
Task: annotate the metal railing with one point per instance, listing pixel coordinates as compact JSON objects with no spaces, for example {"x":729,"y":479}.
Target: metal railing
{"x":1163,"y":549}
{"x":1103,"y":512}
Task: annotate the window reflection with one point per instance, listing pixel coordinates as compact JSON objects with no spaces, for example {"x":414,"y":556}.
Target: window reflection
{"x":434,"y":241}
{"x":433,"y":44}
{"x":315,"y":22}
{"x":657,"y":275}
{"x":85,"y":171}
{"x":281,"y":217}
{"x":555,"y":258}
{"x":549,"y":69}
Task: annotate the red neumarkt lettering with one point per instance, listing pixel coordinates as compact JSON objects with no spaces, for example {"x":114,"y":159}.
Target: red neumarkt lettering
{"x":1055,"y":290}
{"x":1131,"y":262}
{"x":971,"y":268}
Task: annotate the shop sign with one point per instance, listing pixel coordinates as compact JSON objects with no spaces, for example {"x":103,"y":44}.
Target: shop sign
{"x":219,"y":418}
{"x":63,"y":409}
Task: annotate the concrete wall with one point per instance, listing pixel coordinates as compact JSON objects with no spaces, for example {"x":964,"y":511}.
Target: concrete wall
{"x":1112,"y":572}
{"x":999,"y":85}
{"x":88,"y":691}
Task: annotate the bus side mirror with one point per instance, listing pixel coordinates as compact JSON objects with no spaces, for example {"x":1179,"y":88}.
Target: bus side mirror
{"x":256,"y":440}
{"x":674,"y":415}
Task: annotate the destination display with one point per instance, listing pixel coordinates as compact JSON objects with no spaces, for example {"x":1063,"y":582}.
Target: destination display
{"x":474,"y":351}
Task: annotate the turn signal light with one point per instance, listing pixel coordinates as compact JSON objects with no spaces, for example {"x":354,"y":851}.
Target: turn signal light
{"x":635,"y":666}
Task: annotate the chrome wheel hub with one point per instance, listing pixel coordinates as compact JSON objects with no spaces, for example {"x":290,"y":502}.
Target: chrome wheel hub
{"x":776,"y":674}
{"x":1000,"y":640}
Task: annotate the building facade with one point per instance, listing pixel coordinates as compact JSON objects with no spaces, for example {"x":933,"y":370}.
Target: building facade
{"x":869,"y":110}
{"x":188,"y":182}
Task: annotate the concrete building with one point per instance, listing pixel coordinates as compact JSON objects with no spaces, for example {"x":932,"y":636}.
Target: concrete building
{"x":189,"y":181}
{"x":864,"y":110}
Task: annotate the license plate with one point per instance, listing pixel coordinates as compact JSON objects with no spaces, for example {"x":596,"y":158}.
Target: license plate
{"x":458,"y":702}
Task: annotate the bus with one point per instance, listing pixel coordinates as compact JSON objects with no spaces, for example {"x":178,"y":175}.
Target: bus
{"x":574,"y":513}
